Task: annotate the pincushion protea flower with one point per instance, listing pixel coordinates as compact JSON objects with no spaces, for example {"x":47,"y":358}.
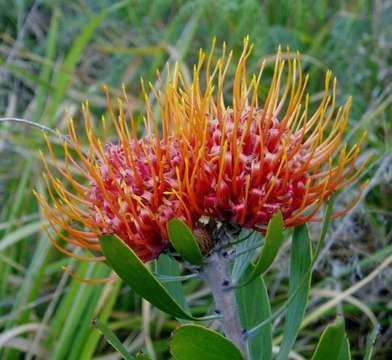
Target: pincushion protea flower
{"x":200,"y":157}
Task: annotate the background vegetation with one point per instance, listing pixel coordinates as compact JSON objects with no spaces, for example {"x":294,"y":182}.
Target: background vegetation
{"x":53,"y":54}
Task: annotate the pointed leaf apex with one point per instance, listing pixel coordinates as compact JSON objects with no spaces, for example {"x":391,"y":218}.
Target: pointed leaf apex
{"x":183,"y":240}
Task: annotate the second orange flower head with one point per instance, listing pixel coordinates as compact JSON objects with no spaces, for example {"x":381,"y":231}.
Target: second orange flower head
{"x":209,"y":150}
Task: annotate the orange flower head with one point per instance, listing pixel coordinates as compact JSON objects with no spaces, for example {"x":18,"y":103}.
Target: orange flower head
{"x":236,"y":163}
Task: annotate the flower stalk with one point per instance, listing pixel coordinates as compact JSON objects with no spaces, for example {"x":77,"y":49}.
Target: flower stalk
{"x":217,"y":273}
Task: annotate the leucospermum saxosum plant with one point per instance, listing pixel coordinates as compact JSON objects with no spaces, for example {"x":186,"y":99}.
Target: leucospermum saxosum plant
{"x":218,"y":173}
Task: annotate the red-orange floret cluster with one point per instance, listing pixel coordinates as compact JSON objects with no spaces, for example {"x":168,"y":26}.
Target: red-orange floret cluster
{"x":199,"y":157}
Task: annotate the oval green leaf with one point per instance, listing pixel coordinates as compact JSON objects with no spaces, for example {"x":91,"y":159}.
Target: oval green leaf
{"x":273,"y":241}
{"x":131,"y":269}
{"x":331,"y":342}
{"x":195,"y":342}
{"x":184,"y":242}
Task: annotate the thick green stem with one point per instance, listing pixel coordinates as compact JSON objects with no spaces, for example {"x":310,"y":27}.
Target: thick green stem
{"x":217,"y":274}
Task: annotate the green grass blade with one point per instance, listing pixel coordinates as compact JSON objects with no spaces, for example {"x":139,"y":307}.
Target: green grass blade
{"x":371,"y":342}
{"x":66,"y":304}
{"x":79,"y":315}
{"x":9,"y":244}
{"x":184,"y":42}
{"x":73,"y":57}
{"x":112,"y":339}
{"x":94,"y":337}
{"x":20,"y":234}
{"x":84,"y":325}
{"x":47,"y":68}
{"x":29,"y":288}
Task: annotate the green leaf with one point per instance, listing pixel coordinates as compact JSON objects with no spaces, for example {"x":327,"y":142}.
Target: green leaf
{"x":254,"y":307}
{"x":131,"y":269}
{"x":344,"y":353}
{"x":332,"y":343}
{"x":273,"y":240}
{"x":168,"y":266}
{"x":167,"y":279}
{"x":195,"y":342}
{"x":300,"y":276}
{"x":324,"y":228}
{"x":371,"y":341}
{"x":244,"y":254}
{"x":184,"y":242}
{"x":112,"y":339}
